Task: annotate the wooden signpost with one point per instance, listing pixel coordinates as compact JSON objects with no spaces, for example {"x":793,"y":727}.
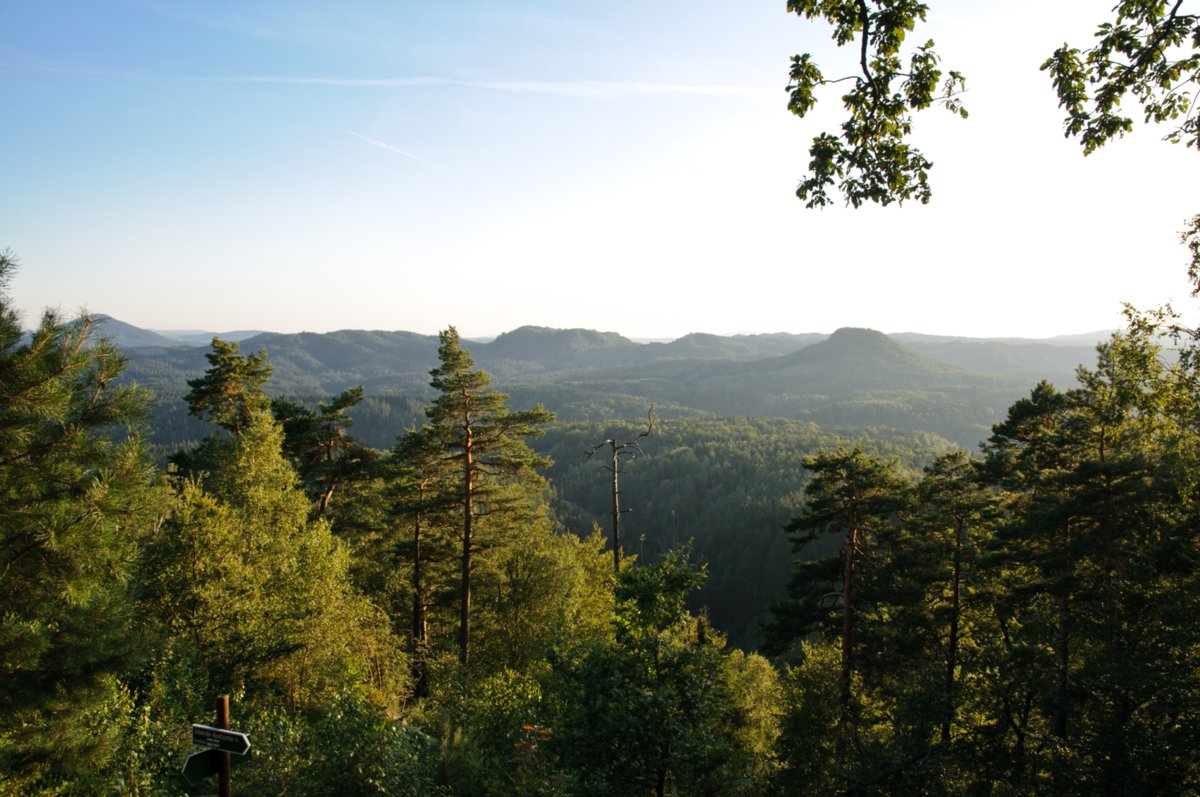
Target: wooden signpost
{"x":221,"y":743}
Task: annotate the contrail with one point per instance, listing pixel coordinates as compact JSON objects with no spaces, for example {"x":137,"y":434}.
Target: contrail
{"x":387,"y":146}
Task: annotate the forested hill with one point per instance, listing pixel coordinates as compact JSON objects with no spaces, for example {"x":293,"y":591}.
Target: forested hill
{"x":955,"y":388}
{"x":736,"y":416}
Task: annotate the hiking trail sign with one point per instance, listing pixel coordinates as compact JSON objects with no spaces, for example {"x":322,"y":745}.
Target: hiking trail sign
{"x":220,"y":739}
{"x":224,"y":748}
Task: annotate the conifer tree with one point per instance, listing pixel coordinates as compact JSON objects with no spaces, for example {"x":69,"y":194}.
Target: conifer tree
{"x":496,"y":479}
{"x":76,"y":496}
{"x":1033,"y":584}
{"x":950,"y":530}
{"x":422,"y":500}
{"x":850,"y":499}
{"x":320,"y":446}
{"x":1126,"y":634}
{"x":231,"y":389}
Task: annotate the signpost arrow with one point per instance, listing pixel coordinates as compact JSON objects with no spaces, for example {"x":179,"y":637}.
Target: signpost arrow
{"x":220,"y":739}
{"x":205,"y":764}
{"x":225,"y":748}
{"x":201,"y":765}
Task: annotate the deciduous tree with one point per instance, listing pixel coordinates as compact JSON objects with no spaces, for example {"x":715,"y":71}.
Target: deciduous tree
{"x":871,"y":160}
{"x":1149,"y":53}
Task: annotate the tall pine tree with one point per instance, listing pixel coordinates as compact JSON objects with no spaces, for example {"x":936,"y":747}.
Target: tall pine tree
{"x":496,"y":480}
{"x":76,"y":496}
{"x":850,"y":500}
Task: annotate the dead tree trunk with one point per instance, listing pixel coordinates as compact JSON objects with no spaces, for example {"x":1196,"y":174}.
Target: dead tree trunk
{"x":630,"y":448}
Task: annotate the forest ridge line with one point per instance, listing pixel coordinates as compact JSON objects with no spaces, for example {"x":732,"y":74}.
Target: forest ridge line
{"x":129,"y":335}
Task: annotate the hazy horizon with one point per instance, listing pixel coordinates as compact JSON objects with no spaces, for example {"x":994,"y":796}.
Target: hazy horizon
{"x":239,"y":334}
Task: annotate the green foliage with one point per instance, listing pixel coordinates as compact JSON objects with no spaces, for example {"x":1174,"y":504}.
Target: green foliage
{"x":1024,"y":623}
{"x":549,"y":590}
{"x":871,"y":161}
{"x":345,"y":746}
{"x":728,"y":485}
{"x":1150,"y":52}
{"x":1190,"y":237}
{"x":1022,"y":626}
{"x":491,"y":732}
{"x":259,"y":591}
{"x":495,"y":485}
{"x":232,"y":387}
{"x":851,"y":498}
{"x":651,"y":713}
{"x":808,"y":738}
{"x":320,"y":447}
{"x":76,"y":497}
{"x":752,"y":719}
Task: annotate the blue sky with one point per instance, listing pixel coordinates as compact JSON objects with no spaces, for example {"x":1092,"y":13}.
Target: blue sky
{"x":627,"y":166}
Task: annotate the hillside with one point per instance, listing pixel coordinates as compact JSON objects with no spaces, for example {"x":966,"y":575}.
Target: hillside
{"x":736,"y":416}
{"x":853,"y":378}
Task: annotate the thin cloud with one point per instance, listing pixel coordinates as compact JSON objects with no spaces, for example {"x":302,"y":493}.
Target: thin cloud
{"x":587,"y":88}
{"x":582,"y":89}
{"x":385,"y":145}
{"x":617,"y":88}
{"x":339,"y":81}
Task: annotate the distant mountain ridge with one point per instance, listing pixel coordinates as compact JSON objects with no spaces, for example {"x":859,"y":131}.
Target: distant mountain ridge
{"x":527,"y":340}
{"x":548,"y":349}
{"x":128,"y":336}
{"x":853,"y":378}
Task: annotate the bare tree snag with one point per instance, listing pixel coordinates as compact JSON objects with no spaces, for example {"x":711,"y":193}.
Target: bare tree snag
{"x":629,"y":448}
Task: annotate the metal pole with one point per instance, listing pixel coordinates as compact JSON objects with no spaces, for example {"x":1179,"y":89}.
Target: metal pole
{"x":224,"y":787}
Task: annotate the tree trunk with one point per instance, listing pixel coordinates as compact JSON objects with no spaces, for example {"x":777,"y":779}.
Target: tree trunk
{"x":844,"y":698}
{"x":1061,"y":643}
{"x":420,"y":627}
{"x":464,"y":619}
{"x":616,"y":511}
{"x":1061,"y":684}
{"x":952,"y":651}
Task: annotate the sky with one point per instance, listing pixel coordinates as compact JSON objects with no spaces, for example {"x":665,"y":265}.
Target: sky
{"x":626,"y":166}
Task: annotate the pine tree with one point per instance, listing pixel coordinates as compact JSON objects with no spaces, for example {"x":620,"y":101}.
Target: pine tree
{"x":950,"y":524}
{"x":231,"y":389}
{"x":76,"y":496}
{"x":851,"y":499}
{"x":1028,"y":456}
{"x":496,"y":480}
{"x":422,"y":499}
{"x":320,"y":446}
{"x":1127,"y":634}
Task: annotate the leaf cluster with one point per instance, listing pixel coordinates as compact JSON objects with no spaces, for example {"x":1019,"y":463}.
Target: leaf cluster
{"x":871,"y":161}
{"x":1149,"y":53}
